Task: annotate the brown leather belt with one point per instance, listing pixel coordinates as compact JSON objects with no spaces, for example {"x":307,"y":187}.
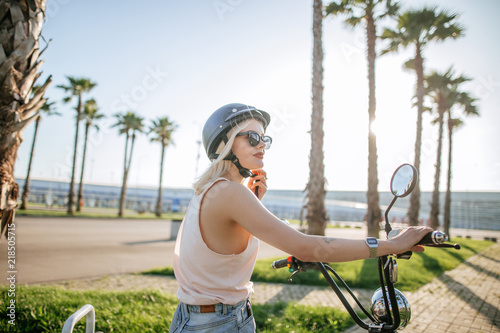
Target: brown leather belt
{"x":207,"y":308}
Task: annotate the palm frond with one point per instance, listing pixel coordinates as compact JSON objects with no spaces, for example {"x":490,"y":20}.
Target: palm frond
{"x":334,"y":8}
{"x":161,"y":131}
{"x":129,"y":122}
{"x":409,"y":65}
{"x":443,"y":87}
{"x":395,"y":40}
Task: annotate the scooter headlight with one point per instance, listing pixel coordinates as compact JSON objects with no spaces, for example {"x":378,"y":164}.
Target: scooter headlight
{"x":378,"y":307}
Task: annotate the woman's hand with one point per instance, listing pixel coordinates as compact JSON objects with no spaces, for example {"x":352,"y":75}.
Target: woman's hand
{"x":258,"y":181}
{"x":407,"y":238}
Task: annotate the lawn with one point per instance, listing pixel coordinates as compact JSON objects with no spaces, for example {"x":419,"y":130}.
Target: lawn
{"x":39,"y":210}
{"x":45,"y":309}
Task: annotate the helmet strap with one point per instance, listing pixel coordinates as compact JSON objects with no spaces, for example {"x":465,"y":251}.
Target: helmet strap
{"x":244,"y":172}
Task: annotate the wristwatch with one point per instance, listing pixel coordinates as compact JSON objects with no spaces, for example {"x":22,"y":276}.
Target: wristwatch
{"x":372,"y":243}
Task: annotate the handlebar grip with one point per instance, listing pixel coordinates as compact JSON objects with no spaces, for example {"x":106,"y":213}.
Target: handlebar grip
{"x":433,"y":238}
{"x":279,"y":263}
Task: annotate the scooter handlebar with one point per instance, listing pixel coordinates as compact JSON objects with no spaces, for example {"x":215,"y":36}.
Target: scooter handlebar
{"x":434,"y":238}
{"x":279,"y":263}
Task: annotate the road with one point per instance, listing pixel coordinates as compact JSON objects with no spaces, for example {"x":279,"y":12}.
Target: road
{"x":55,"y":249}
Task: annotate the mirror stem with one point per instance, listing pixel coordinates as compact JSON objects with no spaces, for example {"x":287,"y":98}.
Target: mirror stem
{"x":388,"y":227}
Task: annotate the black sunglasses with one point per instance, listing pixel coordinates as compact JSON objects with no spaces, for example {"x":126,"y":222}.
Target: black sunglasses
{"x":254,"y":138}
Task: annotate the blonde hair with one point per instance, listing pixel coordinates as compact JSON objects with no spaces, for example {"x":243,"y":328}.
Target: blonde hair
{"x":219,"y":166}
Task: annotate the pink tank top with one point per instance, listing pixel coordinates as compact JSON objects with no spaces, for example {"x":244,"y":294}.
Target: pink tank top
{"x":204,"y":276}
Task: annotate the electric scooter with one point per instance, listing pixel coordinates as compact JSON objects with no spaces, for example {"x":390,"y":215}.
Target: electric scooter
{"x":390,"y":309}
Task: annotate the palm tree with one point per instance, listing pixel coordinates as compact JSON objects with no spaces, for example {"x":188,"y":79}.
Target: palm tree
{"x":358,"y":11}
{"x":418,"y":28}
{"x":315,"y":189}
{"x":20,"y":65}
{"x":162,"y":129}
{"x":47,"y":108}
{"x":75,"y":88}
{"x":129,"y":124}
{"x":91,"y":115}
{"x":440,"y":87}
{"x":464,"y":102}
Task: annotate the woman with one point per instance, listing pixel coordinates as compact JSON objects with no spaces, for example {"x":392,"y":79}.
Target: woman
{"x":217,"y":243}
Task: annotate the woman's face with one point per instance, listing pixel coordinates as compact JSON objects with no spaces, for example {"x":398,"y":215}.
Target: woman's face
{"x":251,"y":157}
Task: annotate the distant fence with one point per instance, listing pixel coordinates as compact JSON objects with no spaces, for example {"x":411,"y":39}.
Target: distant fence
{"x":468,"y":210}
{"x":139,"y":199}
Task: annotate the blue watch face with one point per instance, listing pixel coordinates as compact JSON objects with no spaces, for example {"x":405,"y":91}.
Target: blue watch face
{"x":372,"y":241}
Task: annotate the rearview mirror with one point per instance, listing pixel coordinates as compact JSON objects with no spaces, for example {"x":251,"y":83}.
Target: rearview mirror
{"x":403,"y":180}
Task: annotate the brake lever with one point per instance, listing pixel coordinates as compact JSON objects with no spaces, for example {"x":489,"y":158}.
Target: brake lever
{"x":405,"y":255}
{"x":295,"y":266}
{"x":455,"y":246}
{"x":291,"y":276}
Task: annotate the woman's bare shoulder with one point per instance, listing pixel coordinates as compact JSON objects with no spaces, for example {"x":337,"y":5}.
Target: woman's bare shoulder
{"x":225,"y":189}
{"x":226,"y":200}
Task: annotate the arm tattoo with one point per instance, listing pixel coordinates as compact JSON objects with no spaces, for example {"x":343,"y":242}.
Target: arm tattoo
{"x":329,"y":240}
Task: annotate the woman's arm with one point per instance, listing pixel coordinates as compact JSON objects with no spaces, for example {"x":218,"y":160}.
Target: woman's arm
{"x":239,"y":204}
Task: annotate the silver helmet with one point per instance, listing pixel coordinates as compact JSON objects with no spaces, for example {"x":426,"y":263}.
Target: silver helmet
{"x":379,"y":311}
{"x":223,"y":119}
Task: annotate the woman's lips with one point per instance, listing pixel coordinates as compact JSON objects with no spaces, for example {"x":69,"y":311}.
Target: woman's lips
{"x":259,"y":155}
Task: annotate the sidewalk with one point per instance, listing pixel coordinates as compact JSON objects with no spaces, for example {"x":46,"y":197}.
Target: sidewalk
{"x":466,"y":299}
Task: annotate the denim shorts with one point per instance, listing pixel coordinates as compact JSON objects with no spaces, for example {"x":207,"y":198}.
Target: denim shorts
{"x":226,"y":318}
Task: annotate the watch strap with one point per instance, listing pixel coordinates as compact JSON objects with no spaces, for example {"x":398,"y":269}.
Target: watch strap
{"x":372,"y":243}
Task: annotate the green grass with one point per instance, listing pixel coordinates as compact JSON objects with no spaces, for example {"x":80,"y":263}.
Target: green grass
{"x":45,"y":309}
{"x":413,"y":273}
{"x":284,"y":318}
{"x":169,"y":271}
{"x":39,"y":210}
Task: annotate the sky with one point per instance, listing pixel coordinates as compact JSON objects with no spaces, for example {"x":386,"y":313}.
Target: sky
{"x":185,"y":59}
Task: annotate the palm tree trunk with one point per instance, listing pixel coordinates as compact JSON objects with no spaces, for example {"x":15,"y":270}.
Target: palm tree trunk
{"x":413,"y":211}
{"x":123,"y":195}
{"x":447,"y":199}
{"x":121,"y":205}
{"x":26,"y":188}
{"x":71,"y":194}
{"x":21,"y":23}
{"x":79,"y":202}
{"x":434,"y":215}
{"x":10,"y":189}
{"x":316,"y":214}
{"x":125,"y":178}
{"x":131,"y":151}
{"x":160,"y":200}
{"x":373,"y":214}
